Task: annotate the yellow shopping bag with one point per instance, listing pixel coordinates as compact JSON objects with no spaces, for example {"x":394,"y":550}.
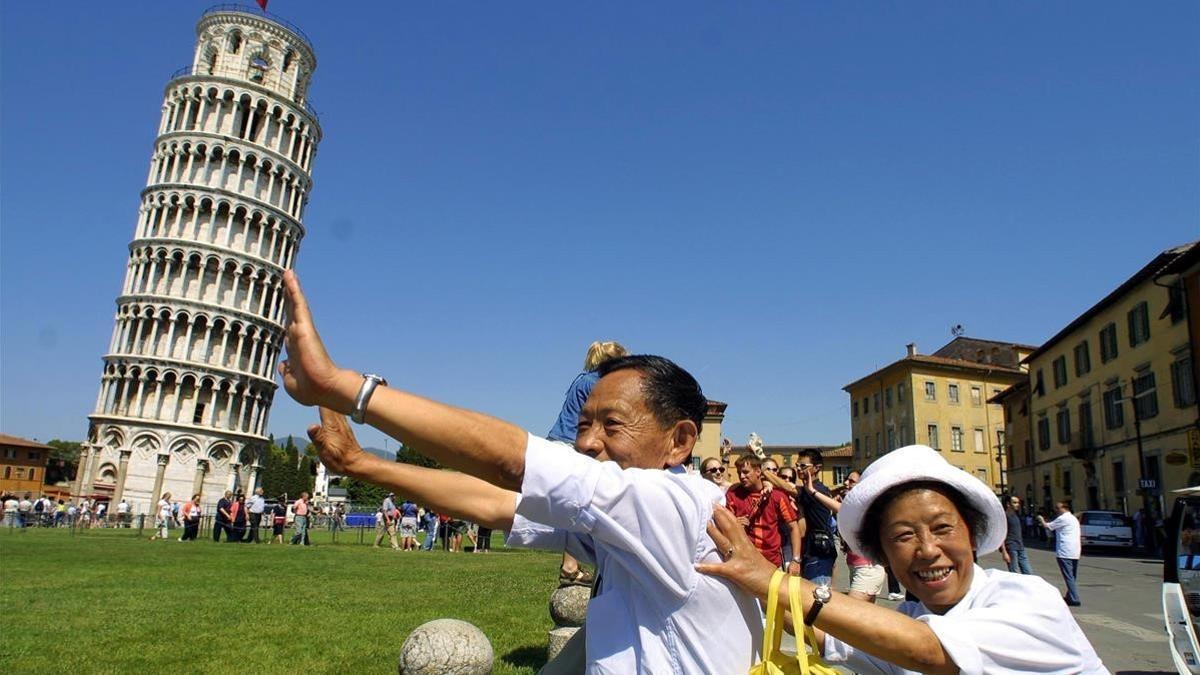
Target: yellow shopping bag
{"x":775,"y":662}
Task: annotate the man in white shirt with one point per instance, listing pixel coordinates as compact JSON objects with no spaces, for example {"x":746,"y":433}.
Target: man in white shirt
{"x":1067,"y":547}
{"x":254,"y":510}
{"x":123,"y":514}
{"x":622,"y":500}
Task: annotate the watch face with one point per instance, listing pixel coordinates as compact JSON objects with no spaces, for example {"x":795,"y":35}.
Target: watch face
{"x":822,"y":593}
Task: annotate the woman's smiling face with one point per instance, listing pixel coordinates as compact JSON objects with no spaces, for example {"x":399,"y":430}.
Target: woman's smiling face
{"x":928,"y":546}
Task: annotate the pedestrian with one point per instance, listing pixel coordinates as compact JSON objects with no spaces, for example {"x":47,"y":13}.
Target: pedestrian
{"x":1067,"y":548}
{"x":1014,"y":542}
{"x":60,"y":513}
{"x":429,"y":523}
{"x":484,"y":542}
{"x":11,"y":506}
{"x":713,"y":470}
{"x":123,"y":513}
{"x":388,"y":510}
{"x":566,"y":428}
{"x":237,"y":519}
{"x":762,"y":512}
{"x":192,"y":513}
{"x":165,"y":515}
{"x":278,"y":519}
{"x":25,"y":511}
{"x":820,"y":541}
{"x":300,"y":513}
{"x":255,"y":509}
{"x":221,"y":521}
{"x":408,"y":525}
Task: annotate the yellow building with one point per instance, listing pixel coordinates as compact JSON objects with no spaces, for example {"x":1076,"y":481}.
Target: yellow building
{"x":709,"y":442}
{"x":1017,"y":442}
{"x":1112,"y":398}
{"x":22,"y":465}
{"x":940,"y":400}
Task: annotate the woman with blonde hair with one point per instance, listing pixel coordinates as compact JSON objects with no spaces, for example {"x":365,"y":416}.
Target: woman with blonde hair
{"x":567,"y":425}
{"x":165,"y":515}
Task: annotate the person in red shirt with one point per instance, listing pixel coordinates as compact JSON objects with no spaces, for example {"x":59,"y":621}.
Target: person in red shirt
{"x":762,"y":513}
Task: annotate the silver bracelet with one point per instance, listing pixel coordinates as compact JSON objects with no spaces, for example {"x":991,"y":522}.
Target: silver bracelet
{"x":364,"y":396}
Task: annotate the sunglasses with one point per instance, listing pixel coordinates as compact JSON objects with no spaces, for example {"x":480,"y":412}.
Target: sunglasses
{"x":713,"y":469}
{"x":804,"y":467}
{"x":787,"y":476}
{"x":771,"y":469}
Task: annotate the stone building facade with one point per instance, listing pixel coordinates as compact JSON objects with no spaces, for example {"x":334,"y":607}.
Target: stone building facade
{"x":940,"y":400}
{"x":187,"y":383}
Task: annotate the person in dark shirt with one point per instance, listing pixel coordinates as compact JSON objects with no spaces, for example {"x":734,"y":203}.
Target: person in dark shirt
{"x":1014,"y":542}
{"x":221,"y":522}
{"x":820,"y":541}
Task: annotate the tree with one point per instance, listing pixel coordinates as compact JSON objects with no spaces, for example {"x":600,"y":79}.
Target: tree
{"x":63,"y":462}
{"x":282,"y":473}
{"x":362,"y":493}
{"x":406,"y":455}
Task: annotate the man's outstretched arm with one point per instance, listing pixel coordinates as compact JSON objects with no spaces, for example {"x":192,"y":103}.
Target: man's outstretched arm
{"x":456,"y":494}
{"x":476,"y":444}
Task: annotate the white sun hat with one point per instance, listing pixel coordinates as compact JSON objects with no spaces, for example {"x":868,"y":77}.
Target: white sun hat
{"x":919,"y":463}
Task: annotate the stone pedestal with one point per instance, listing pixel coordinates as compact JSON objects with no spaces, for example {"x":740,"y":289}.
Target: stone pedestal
{"x":568,"y":609}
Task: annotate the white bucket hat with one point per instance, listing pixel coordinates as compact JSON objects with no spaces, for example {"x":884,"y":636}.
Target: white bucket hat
{"x":919,"y":463}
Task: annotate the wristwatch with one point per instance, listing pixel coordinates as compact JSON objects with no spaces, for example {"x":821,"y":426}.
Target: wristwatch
{"x":821,"y":595}
{"x":370,"y":381}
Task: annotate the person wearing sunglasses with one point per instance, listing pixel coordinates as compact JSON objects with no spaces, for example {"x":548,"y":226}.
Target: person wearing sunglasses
{"x":713,"y":471}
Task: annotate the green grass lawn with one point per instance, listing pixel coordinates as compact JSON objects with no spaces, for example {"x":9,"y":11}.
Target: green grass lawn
{"x":108,"y":601}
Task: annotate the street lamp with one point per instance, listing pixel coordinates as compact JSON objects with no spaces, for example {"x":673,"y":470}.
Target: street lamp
{"x":1145,"y":486}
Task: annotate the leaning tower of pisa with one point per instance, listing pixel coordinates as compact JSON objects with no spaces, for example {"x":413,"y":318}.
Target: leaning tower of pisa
{"x":187,"y":382}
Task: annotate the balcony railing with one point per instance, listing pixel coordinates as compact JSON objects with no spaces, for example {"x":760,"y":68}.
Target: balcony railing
{"x":254,"y":11}
{"x":234,"y":74}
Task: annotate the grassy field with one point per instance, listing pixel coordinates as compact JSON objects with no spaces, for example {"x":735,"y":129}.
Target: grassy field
{"x":108,"y":601}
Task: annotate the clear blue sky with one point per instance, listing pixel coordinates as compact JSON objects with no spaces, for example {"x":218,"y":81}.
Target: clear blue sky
{"x":778,"y":196}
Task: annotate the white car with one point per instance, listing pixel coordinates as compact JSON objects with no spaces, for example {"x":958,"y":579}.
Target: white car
{"x":1106,"y":528}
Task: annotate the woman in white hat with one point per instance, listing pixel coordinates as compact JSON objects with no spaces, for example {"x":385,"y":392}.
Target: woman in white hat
{"x":926,"y":521}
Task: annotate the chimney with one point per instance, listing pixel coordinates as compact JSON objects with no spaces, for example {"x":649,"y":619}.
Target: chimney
{"x":912,"y":348}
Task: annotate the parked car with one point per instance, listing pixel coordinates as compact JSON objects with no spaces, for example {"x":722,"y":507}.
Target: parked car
{"x":1106,"y":528}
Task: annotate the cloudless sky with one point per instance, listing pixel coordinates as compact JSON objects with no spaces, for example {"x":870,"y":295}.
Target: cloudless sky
{"x":778,"y":196}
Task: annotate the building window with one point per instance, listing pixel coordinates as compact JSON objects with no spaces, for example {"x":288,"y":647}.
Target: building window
{"x":10,"y":453}
{"x":854,"y":408}
{"x":1066,"y":477}
{"x":1176,"y":303}
{"x":1039,"y":383}
{"x":891,"y":439}
{"x":866,"y":405}
{"x":7,"y":472}
{"x":1118,"y":476}
{"x":932,"y":432}
{"x":980,"y":442}
{"x":1083,"y":359}
{"x":952,"y":393}
{"x":1108,"y":343}
{"x":35,"y":454}
{"x":840,"y":473}
{"x":1001,"y":437}
{"x":33,"y":474}
{"x":1060,"y":371}
{"x":930,"y":391}
{"x":981,"y":474}
{"x":1063,"y":422}
{"x":1085,"y":424}
{"x":1043,"y":428}
{"x":976,"y":396}
{"x":956,"y":439}
{"x":856,"y":448}
{"x":887,"y":397}
{"x":900,"y":393}
{"x":198,"y":417}
{"x":1182,"y":386}
{"x":1139,"y":324}
{"x":1114,"y":416}
{"x":1145,"y":397}
{"x":876,"y":398}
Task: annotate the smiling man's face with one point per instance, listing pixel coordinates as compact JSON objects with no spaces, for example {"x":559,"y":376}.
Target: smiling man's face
{"x":616,"y":425}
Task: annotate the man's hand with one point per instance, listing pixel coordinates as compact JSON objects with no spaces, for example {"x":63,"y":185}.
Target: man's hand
{"x":309,"y":375}
{"x":1007,"y":557}
{"x":744,"y":521}
{"x":794,"y":568}
{"x":766,"y":489}
{"x":339,"y":450}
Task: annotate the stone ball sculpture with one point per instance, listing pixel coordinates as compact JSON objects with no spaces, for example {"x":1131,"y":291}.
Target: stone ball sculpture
{"x":568,"y":605}
{"x":446,"y":647}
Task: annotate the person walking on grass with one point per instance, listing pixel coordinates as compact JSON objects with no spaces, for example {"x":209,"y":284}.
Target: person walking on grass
{"x":1067,"y":547}
{"x":300,"y":511}
{"x":278,"y":519}
{"x":429,"y":522}
{"x":221,"y":521}
{"x":255,"y":509}
{"x":388,"y":509}
{"x":1014,"y":541}
{"x":191,"y":518}
{"x":408,"y":525}
{"x":165,"y":514}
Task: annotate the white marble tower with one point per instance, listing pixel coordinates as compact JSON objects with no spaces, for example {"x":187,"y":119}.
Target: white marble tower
{"x":188,"y":377}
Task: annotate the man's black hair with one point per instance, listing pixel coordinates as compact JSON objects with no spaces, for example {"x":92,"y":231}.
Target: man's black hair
{"x":813,"y":455}
{"x":672,"y":394}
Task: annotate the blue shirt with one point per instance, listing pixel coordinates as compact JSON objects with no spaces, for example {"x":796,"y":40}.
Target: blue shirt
{"x":408,"y":509}
{"x":567,"y":426}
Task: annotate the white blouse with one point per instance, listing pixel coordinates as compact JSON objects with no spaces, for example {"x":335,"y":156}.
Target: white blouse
{"x":1006,"y":623}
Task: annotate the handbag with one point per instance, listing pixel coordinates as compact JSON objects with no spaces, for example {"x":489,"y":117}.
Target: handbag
{"x":775,"y":662}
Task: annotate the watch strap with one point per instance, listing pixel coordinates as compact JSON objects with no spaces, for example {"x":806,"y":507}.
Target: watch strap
{"x":813,"y":611}
{"x":370,"y":381}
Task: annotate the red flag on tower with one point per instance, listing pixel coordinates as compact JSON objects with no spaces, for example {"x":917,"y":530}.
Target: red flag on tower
{"x":263,"y":4}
